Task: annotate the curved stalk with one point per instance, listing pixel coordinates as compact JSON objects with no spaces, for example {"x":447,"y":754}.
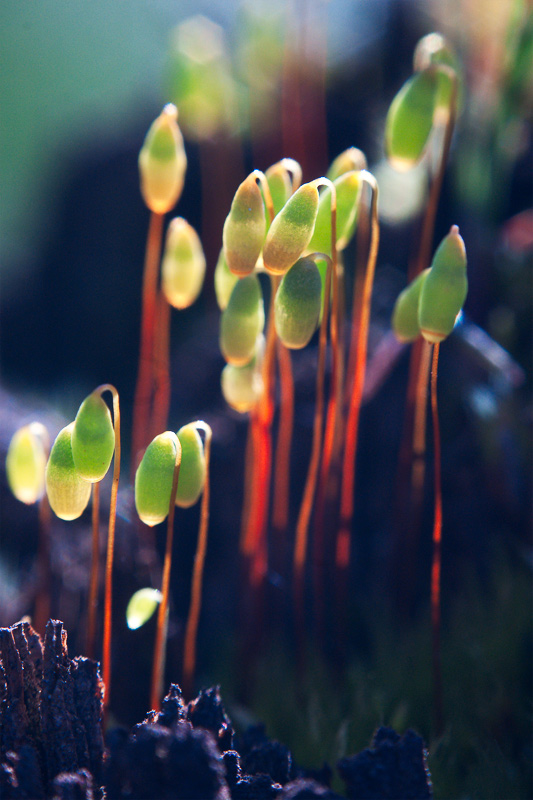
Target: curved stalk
{"x":108,"y":591}
{"x":158,"y":666}
{"x":189,"y":659}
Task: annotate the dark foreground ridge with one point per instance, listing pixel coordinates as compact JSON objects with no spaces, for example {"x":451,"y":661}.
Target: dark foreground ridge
{"x":51,"y":743}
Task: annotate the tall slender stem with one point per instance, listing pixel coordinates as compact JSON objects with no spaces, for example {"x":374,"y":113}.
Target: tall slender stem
{"x":437,"y":544}
{"x":161,"y":401}
{"x":144,"y":386}
{"x":342,"y":555}
{"x":108,"y":591}
{"x":93,"y":584}
{"x":280,"y":506}
{"x":158,"y":667}
{"x":189,"y":659}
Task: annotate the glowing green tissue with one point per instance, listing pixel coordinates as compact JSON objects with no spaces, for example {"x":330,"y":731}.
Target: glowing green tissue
{"x":291,"y":230}
{"x":244,"y":229}
{"x":444,"y":290}
{"x":350,"y":159}
{"x":68,"y":493}
{"x":410,"y":119}
{"x":141,"y":607}
{"x":280,"y":185}
{"x":405,"y":313}
{"x":224,"y":281}
{"x":297,"y":304}
{"x":153,"y":479}
{"x":183,"y":267}
{"x":162,"y":162}
{"x":93,"y":438}
{"x":348,"y":189}
{"x":192,"y":471}
{"x":242,"y":321}
{"x":26,"y":463}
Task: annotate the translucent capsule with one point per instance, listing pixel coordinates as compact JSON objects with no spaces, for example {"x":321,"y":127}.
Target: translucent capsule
{"x":153,"y":479}
{"x":93,"y":439}
{"x":68,"y":493}
{"x":244,"y":228}
{"x":348,"y":192}
{"x":350,"y":159}
{"x":410,"y":119}
{"x":192,"y":471}
{"x":280,"y":185}
{"x":162,"y":162}
{"x":225,"y":280}
{"x":291,"y":230}
{"x":26,"y":463}
{"x":297,"y":304}
{"x":183,"y":267}
{"x":242,"y":321}
{"x":405,"y":313}
{"x":141,"y":607}
{"x":243,"y":386}
{"x":444,"y":290}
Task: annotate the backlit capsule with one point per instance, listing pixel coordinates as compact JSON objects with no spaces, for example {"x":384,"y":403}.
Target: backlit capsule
{"x":93,"y":438}
{"x":183,"y":267}
{"x":153,"y":479}
{"x":242,"y":321}
{"x":291,"y":230}
{"x":192,"y":471}
{"x":297,"y":304}
{"x":348,"y":192}
{"x":405,"y":313}
{"x":162,"y":162}
{"x":410,"y":119}
{"x":244,"y":229}
{"x":68,"y":493}
{"x":26,"y":463}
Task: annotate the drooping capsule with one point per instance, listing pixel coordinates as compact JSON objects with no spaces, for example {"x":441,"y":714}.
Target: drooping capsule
{"x":291,"y":230}
{"x":225,"y":280}
{"x":162,"y":162}
{"x":26,"y":463}
{"x":192,"y":471}
{"x":348,"y":192}
{"x":242,"y":321}
{"x":410,"y":119}
{"x":93,"y":438}
{"x":435,"y":49}
{"x":243,"y":386}
{"x":405,"y":312}
{"x":280,"y":185}
{"x":244,"y":229}
{"x":68,"y":493}
{"x":141,"y":607}
{"x":183,"y":267}
{"x":297,"y":304}
{"x":444,"y":290}
{"x":153,"y":479}
{"x":350,"y":159}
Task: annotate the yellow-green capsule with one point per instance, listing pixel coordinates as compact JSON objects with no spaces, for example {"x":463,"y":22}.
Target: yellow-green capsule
{"x":162,"y":162}
{"x":242,"y":321}
{"x":291,"y":230}
{"x":280,"y":185}
{"x":224,"y":281}
{"x":68,"y":493}
{"x":405,"y":312}
{"x":444,"y":290}
{"x":410,"y":119}
{"x":350,"y":159}
{"x":348,"y":191}
{"x":183,"y":267}
{"x":153,"y":479}
{"x":244,"y":229}
{"x":435,"y":49}
{"x":141,"y":607}
{"x":192,"y":471}
{"x":297,"y":304}
{"x":26,"y":463}
{"x":93,"y":439}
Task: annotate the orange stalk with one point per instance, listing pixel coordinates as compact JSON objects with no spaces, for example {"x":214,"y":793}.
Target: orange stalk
{"x":280,"y":507}
{"x":437,"y":553}
{"x":161,"y":400}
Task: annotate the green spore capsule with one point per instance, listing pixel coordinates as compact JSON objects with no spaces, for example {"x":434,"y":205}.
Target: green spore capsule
{"x":141,"y":607}
{"x":242,"y":321}
{"x":291,"y":230}
{"x":350,"y":159}
{"x":244,"y":228}
{"x":153,"y":479}
{"x":93,"y":439}
{"x":444,"y":290}
{"x":183,"y":267}
{"x":435,"y":49}
{"x":225,"y":280}
{"x":410,"y":119}
{"x":348,"y":191}
{"x":243,"y":386}
{"x":192,"y":471}
{"x":162,"y":162}
{"x":280,"y":185}
{"x":68,"y":493}
{"x":297,"y":304}
{"x":26,"y":463}
{"x":405,"y":312}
